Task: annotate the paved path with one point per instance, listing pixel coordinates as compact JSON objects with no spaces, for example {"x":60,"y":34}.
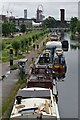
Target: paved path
{"x":9,"y":81}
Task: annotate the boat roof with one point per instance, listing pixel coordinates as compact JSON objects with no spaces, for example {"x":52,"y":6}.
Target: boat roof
{"x":33,"y":93}
{"x":52,"y":44}
{"x":23,"y":60}
{"x":37,"y":88}
{"x":41,"y":66}
{"x":59,"y":49}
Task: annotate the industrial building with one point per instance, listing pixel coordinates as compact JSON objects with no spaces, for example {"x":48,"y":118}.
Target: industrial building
{"x":19,"y":21}
{"x":3,"y":17}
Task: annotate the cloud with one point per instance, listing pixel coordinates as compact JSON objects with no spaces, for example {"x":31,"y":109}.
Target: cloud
{"x":40,"y":0}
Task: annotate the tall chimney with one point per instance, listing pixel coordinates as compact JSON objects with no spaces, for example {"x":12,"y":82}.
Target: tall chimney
{"x":25,"y":13}
{"x":62,"y":15}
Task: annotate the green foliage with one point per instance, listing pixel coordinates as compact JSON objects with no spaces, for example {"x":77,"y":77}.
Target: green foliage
{"x":12,"y":27}
{"x":5,"y":55}
{"x":23,"y":28}
{"x":49,"y":22}
{"x":3,"y":45}
{"x":37,"y":36}
{"x":8,"y":46}
{"x":78,"y":27}
{"x":27,"y":41}
{"x":34,"y":38}
{"x":8,"y":27}
{"x":5,"y":28}
{"x":16,"y":46}
{"x":30,"y":39}
{"x":0,"y":45}
{"x":14,"y":67}
{"x":73,"y":24}
{"x":23,"y":45}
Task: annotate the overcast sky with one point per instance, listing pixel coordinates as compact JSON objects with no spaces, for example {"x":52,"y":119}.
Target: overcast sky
{"x":50,"y":8}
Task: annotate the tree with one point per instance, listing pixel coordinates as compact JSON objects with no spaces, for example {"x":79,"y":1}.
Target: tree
{"x":78,"y":27}
{"x":73,"y":24}
{"x":3,"y":45}
{"x":33,"y":37}
{"x":8,"y":27}
{"x":30,"y":39}
{"x":5,"y":28}
{"x":23,"y":45}
{"x":12,"y":27}
{"x":16,"y":46}
{"x":27,"y":44}
{"x":37,"y":36}
{"x":49,"y":22}
{"x":23,"y":28}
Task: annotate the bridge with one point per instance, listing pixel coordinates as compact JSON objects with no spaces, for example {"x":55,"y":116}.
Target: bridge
{"x":59,"y":29}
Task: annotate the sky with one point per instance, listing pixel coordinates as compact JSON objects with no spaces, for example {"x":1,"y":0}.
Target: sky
{"x":50,"y":8}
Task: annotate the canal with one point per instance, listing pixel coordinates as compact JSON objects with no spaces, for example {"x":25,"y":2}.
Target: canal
{"x":68,"y":89}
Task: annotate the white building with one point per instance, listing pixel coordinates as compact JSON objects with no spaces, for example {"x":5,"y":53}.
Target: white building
{"x":34,"y":24}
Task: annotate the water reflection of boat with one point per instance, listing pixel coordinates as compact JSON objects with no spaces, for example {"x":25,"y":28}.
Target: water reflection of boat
{"x":38,"y":103}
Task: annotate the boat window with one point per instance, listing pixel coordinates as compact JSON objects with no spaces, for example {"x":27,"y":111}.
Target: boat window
{"x":56,"y":61}
{"x":39,"y":71}
{"x":33,"y":78}
{"x":44,"y":60}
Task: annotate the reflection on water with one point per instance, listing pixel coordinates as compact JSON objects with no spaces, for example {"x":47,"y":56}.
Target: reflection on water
{"x":75,"y":37}
{"x":74,"y":46}
{"x":75,"y":42}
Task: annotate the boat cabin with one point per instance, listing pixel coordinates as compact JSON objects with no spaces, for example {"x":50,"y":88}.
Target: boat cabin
{"x":22,"y":65}
{"x":41,"y":76}
{"x":38,"y":103}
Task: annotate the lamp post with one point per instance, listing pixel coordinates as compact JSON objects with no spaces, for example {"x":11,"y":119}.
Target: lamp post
{"x":11,"y":56}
